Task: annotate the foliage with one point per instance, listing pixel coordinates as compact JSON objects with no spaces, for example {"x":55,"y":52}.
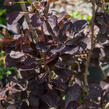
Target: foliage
{"x":5,"y":71}
{"x":77,"y":15}
{"x":2,"y":16}
{"x":50,"y":53}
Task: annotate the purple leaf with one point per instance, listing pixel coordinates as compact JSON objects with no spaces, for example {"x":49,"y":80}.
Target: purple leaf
{"x":14,"y":17}
{"x":59,"y":85}
{"x":73,"y":105}
{"x":61,"y":16}
{"x":71,"y":50}
{"x":63,"y":73}
{"x":52,"y":20}
{"x":41,"y":46}
{"x":78,"y":26}
{"x":34,"y":101}
{"x":95,"y":92}
{"x":9,"y":2}
{"x":51,"y":99}
{"x":29,"y":63}
{"x":36,"y":20}
{"x":14,"y":58}
{"x":73,"y":94}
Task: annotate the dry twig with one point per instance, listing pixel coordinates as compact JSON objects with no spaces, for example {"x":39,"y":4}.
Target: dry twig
{"x":92,"y":47}
{"x":34,"y":34}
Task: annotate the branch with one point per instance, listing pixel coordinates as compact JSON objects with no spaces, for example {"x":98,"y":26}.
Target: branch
{"x":92,"y":47}
{"x":102,"y":71}
{"x":34,"y":34}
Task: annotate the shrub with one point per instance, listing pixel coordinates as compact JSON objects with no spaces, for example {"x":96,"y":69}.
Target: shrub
{"x":58,"y":59}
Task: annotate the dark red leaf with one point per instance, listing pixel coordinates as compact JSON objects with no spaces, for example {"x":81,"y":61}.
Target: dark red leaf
{"x":59,"y":85}
{"x":52,"y":20}
{"x":29,"y":63}
{"x":42,"y":47}
{"x":53,"y":59}
{"x":95,"y":91}
{"x":36,"y":20}
{"x":51,"y":99}
{"x":61,"y":16}
{"x":14,"y":58}
{"x":34,"y":101}
{"x":14,"y":17}
{"x":9,"y":2}
{"x":73,"y":94}
{"x":63,"y":73}
{"x":78,"y":26}
{"x":73,"y":105}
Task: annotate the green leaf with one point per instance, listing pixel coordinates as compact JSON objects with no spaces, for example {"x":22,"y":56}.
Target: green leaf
{"x":1,"y":36}
{"x":81,"y":100}
{"x":77,"y":13}
{"x":81,"y":16}
{"x":2,"y":53}
{"x":1,"y":69}
{"x":88,"y":18}
{"x":8,"y":73}
{"x":1,"y":77}
{"x":53,"y":73}
{"x":29,"y":1}
{"x":63,"y":98}
{"x":13,"y":68}
{"x":2,"y":20}
{"x":2,"y":11}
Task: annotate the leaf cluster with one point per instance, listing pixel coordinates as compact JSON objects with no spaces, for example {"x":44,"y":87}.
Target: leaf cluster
{"x":51,"y":66}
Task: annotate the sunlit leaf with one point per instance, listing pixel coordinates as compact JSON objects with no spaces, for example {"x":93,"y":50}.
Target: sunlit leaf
{"x":2,"y":12}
